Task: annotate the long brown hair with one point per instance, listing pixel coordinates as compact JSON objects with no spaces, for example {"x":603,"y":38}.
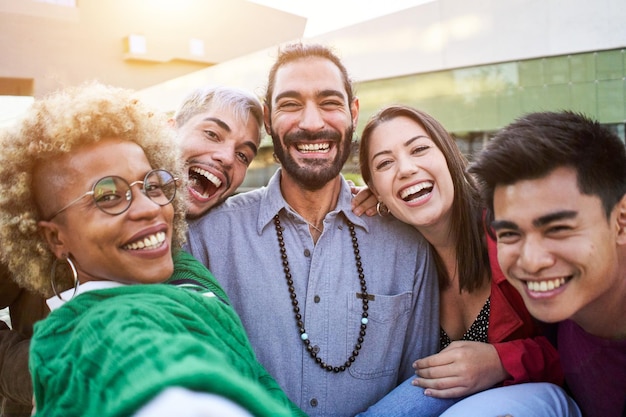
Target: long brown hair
{"x":467,"y":212}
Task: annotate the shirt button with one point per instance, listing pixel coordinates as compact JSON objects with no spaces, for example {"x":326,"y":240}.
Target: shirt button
{"x":313,"y":402}
{"x":316,"y":298}
{"x":307,"y":253}
{"x":316,"y":349}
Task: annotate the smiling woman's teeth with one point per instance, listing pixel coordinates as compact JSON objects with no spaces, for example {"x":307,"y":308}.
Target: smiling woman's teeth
{"x":543,"y":286}
{"x":149,"y":242}
{"x":314,"y":147}
{"x":415,"y":189}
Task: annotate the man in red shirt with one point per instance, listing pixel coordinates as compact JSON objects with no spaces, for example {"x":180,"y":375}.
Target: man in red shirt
{"x":556,"y":183}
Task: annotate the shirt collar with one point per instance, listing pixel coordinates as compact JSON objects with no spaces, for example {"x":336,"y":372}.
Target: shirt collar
{"x":273,"y":202}
{"x":55,"y":302}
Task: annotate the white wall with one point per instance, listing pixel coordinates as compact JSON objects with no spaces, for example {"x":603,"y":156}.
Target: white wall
{"x":435,"y":36}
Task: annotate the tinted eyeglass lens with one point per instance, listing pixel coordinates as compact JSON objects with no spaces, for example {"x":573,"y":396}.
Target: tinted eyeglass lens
{"x":113,"y":194}
{"x":160,"y":186}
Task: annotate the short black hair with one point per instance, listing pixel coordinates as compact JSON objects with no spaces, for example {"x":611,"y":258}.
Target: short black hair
{"x":536,"y":144}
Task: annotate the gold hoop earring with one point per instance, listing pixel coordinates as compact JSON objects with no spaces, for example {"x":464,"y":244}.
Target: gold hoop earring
{"x":53,"y":278}
{"x":382,"y":209}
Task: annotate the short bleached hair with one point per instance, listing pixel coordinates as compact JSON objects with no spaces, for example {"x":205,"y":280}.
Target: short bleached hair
{"x":241,"y":103}
{"x":55,"y":126}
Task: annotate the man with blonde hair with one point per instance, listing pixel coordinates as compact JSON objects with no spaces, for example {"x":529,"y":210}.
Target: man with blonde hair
{"x":219,"y":133}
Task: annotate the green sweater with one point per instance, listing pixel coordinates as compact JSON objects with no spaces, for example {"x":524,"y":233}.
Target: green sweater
{"x":108,"y":352}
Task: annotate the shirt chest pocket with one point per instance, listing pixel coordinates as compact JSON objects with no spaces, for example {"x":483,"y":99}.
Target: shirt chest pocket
{"x":381,"y":351}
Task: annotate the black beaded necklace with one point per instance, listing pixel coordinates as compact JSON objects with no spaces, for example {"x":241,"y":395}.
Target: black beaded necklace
{"x":294,"y":301}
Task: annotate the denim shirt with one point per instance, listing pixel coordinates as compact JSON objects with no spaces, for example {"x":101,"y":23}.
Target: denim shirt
{"x":237,"y":241}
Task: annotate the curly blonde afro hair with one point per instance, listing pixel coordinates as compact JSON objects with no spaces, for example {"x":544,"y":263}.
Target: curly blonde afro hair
{"x":54,"y":126}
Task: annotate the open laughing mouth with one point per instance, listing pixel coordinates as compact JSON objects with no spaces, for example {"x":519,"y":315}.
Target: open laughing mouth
{"x":416,"y":191}
{"x":203,"y":184}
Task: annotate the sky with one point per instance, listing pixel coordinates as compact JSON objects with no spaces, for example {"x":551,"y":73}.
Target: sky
{"x":328,"y":15}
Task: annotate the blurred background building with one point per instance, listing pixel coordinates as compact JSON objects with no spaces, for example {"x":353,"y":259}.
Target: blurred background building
{"x":49,"y":44}
{"x":475,"y":65}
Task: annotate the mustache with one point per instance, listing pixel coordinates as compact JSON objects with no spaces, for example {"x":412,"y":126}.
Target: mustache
{"x":304,"y":135}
